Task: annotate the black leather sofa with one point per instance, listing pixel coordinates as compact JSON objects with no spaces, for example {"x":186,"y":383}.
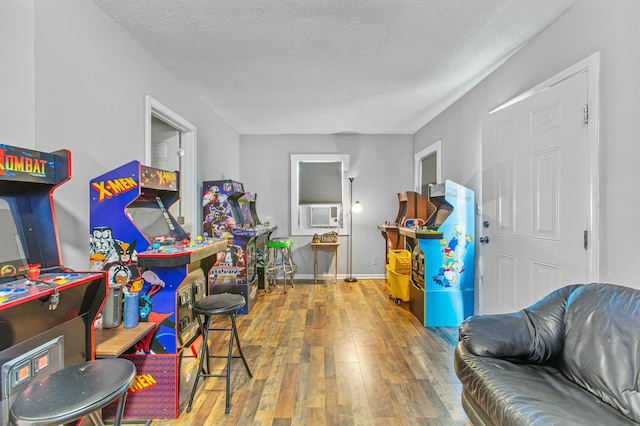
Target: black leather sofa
{"x":572,"y":358}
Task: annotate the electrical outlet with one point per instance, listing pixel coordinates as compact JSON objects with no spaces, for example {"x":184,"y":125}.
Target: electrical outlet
{"x":374,"y":260}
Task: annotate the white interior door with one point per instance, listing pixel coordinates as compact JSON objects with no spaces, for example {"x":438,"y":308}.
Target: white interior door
{"x":535,"y":191}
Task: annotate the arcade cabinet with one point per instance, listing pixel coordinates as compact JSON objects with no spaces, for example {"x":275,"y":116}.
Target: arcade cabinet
{"x":411,"y":205}
{"x":250,"y":198}
{"x":227,"y":213}
{"x":143,"y":249}
{"x":443,"y":250}
{"x":47,"y":312}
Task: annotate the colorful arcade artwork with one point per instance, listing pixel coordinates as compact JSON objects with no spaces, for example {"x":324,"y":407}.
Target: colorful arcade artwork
{"x":453,"y":258}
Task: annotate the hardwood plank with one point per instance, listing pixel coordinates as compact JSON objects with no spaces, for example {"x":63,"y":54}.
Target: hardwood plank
{"x":286,"y":396}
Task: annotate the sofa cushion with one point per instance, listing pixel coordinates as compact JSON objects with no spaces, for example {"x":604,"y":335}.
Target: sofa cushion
{"x":601,"y":350}
{"x":507,"y":393}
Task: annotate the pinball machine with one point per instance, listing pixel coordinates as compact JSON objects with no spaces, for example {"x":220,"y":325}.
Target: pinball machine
{"x":411,"y":206}
{"x":230,"y":213}
{"x":47,"y":311}
{"x":143,"y":249}
{"x":443,"y":258}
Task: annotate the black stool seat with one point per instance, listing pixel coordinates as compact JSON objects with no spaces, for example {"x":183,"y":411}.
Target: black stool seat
{"x":218,"y":304}
{"x":74,"y":392}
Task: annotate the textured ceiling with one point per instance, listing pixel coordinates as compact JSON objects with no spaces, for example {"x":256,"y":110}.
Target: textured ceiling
{"x":332,"y":66}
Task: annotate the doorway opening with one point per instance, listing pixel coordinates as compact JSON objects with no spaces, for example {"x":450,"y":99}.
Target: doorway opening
{"x":427,"y":167}
{"x":170,"y":144}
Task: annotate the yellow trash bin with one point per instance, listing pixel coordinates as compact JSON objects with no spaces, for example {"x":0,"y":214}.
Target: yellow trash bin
{"x":398,"y":286}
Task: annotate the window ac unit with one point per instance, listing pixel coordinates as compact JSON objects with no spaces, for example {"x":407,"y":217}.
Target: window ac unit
{"x":326,"y":216}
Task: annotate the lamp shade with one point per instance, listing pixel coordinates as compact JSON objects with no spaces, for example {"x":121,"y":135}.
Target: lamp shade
{"x":357,"y":207}
{"x":351,"y":174}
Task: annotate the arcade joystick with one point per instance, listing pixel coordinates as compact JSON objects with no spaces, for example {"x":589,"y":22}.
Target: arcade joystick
{"x":185,"y":242}
{"x":33,"y":272}
{"x":155,"y":246}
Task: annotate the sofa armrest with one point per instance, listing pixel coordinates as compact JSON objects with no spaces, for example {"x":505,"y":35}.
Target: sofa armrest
{"x":534,"y":334}
{"x":497,"y":336}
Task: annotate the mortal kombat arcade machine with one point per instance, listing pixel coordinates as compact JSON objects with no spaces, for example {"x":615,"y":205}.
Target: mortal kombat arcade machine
{"x":228,"y":214}
{"x":145,"y":251}
{"x":47,"y":312}
{"x":443,"y":250}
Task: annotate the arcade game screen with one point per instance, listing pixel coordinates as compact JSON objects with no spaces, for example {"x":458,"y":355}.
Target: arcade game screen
{"x":152,"y":219}
{"x":12,"y":255}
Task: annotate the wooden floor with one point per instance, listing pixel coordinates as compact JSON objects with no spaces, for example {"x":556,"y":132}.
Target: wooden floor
{"x":334,"y":354}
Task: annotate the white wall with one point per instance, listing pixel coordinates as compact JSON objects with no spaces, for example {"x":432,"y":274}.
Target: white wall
{"x":16,"y":73}
{"x":592,"y":25}
{"x":385,"y":163}
{"x":86,"y":78}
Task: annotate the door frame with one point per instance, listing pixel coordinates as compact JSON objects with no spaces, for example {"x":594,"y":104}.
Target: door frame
{"x":436,"y":148}
{"x":188,"y":176}
{"x":590,"y":65}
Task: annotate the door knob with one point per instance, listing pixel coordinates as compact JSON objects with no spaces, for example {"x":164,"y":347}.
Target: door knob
{"x":484,"y":240}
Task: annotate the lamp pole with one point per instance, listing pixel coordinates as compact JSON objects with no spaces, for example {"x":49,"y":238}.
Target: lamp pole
{"x":351,"y":175}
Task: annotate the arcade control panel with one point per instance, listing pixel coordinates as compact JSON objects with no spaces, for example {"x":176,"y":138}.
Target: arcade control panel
{"x":182,"y":253}
{"x":23,"y":290}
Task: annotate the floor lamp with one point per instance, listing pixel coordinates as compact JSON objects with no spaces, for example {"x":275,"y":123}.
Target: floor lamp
{"x":355,"y":208}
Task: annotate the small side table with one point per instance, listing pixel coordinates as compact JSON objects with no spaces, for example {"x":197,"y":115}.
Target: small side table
{"x":334,"y":246}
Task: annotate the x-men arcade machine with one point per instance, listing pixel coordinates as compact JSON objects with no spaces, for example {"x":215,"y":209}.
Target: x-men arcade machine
{"x":442,"y":294}
{"x":411,"y":205}
{"x":143,"y":248}
{"x":227,"y":214}
{"x":47,"y":312}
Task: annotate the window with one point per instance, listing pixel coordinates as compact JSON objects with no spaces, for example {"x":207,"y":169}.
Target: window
{"x":319,"y":191}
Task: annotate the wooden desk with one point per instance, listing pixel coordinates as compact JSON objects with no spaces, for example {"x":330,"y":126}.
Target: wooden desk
{"x":112,"y":342}
{"x":334,"y":246}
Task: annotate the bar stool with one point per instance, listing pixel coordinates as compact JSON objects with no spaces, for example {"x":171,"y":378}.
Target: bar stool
{"x":74,"y":392}
{"x":218,"y":304}
{"x":285,"y":265}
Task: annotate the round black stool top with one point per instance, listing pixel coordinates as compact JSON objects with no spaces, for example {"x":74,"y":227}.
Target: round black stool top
{"x":73,"y":392}
{"x":219,"y":304}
